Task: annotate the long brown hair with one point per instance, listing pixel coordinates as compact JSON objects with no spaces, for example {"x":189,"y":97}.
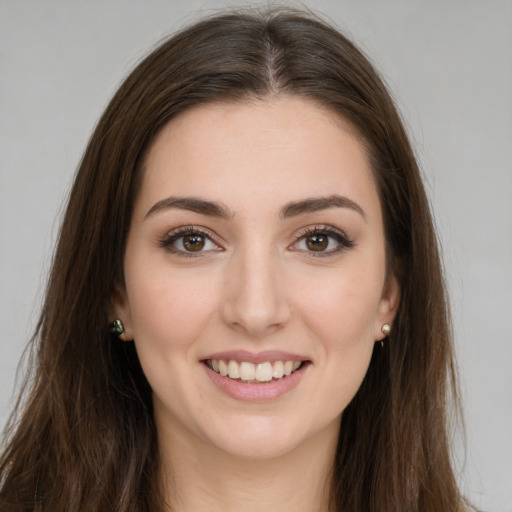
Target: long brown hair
{"x":83,"y":436}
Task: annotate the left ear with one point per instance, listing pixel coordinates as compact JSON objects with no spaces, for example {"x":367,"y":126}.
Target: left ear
{"x":119,"y":308}
{"x":388,"y":305}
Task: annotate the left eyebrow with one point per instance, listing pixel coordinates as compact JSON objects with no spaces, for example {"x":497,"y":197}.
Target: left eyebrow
{"x":193,"y":204}
{"x":316,"y":204}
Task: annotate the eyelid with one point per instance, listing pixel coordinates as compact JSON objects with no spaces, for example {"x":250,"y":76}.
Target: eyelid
{"x":342,"y":239}
{"x":167,"y":241}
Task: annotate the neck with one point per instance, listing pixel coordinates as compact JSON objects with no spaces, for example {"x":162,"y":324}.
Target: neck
{"x":198,"y":476}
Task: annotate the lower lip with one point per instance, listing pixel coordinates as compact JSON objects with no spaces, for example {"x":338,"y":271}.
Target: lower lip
{"x":262,"y":392}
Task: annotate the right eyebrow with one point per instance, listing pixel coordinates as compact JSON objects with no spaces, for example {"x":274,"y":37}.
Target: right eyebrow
{"x":316,"y":204}
{"x":192,"y":204}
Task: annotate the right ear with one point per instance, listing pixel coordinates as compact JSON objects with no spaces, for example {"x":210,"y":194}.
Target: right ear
{"x":119,"y":309}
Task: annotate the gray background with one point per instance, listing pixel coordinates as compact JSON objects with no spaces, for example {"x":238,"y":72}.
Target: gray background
{"x":448,"y":63}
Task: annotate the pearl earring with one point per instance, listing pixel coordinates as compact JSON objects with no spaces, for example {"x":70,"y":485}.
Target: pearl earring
{"x":386,"y":329}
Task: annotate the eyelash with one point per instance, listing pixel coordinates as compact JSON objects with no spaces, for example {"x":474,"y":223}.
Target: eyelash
{"x":167,"y":242}
{"x":343,"y":241}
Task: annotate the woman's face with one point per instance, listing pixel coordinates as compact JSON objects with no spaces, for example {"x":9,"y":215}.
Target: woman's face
{"x":256,"y":248}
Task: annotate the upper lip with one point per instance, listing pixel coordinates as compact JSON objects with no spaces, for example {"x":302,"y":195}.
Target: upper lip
{"x":260,"y":357}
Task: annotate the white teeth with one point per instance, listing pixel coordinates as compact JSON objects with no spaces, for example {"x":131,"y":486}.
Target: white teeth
{"x":262,"y":372}
{"x":223,"y":368}
{"x":278,"y":370}
{"x":233,"y":370}
{"x":247,"y":371}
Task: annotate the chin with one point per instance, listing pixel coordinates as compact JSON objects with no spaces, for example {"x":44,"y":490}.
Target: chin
{"x":261,"y":439}
{"x":258,"y":447}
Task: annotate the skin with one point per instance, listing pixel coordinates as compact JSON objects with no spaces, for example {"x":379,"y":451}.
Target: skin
{"x":256,"y":285}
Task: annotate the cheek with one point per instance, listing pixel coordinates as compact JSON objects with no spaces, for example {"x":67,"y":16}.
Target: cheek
{"x":340,"y":316}
{"x":342,"y":308}
{"x":168,"y":308}
{"x":169,"y":312}
{"x":343,"y":320}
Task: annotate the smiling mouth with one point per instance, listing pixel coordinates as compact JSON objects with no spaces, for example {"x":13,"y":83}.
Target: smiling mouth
{"x":251,"y":373}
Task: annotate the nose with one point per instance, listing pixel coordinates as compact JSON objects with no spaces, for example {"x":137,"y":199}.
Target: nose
{"x":254,"y":300}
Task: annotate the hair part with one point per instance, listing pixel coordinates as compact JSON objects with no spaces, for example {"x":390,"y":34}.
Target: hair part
{"x":84,"y":437}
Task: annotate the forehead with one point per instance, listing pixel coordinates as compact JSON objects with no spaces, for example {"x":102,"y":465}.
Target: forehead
{"x":280,"y":149}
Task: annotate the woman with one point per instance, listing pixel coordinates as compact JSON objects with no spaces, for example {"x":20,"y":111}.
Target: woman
{"x":246,"y":309}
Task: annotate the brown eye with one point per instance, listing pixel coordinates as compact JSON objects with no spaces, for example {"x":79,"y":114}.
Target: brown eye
{"x":317,"y":242}
{"x":322,"y":241}
{"x":188,"y":241}
{"x":193,"y":242}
